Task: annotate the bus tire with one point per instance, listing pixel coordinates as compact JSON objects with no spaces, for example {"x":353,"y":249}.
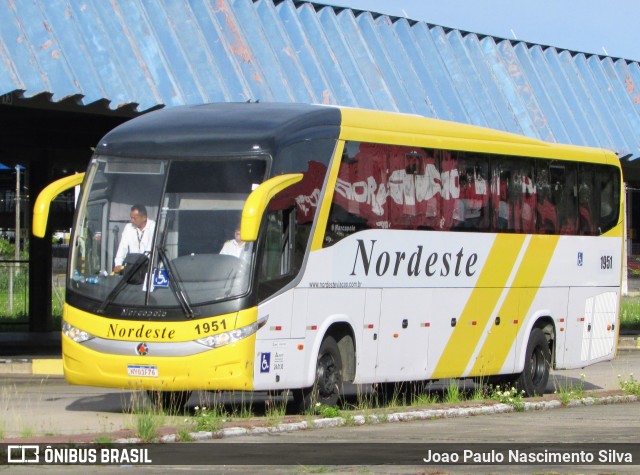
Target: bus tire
{"x":537,"y":364}
{"x":170,"y":402}
{"x":328,"y":382}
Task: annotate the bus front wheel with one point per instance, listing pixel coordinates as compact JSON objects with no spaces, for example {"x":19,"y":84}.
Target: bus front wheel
{"x":328,"y":383}
{"x":533,"y":379}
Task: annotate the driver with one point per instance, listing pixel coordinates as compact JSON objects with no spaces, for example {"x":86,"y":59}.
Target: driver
{"x":137,"y":236}
{"x":234,"y":247}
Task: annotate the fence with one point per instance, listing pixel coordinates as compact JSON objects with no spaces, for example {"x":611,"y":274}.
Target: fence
{"x":14,"y":295}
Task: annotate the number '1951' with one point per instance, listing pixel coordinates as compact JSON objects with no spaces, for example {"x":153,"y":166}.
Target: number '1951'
{"x":208,"y":327}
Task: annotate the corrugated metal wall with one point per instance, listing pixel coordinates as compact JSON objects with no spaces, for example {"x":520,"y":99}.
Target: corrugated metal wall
{"x":172,"y":52}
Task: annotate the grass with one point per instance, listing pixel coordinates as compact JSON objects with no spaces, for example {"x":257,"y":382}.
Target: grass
{"x":629,"y":385}
{"x":16,"y":415}
{"x":327,"y":411}
{"x":630,"y":314}
{"x":146,"y":419}
{"x":104,"y":440}
{"x":209,"y":419}
{"x":570,"y":391}
{"x":275,"y":409}
{"x":453,"y":394}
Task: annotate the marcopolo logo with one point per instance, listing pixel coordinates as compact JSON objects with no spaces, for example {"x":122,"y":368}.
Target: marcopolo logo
{"x":395,"y":263}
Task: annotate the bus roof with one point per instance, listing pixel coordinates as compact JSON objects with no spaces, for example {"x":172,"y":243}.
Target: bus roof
{"x":226,"y":127}
{"x":248,"y":127}
{"x":407,"y":129}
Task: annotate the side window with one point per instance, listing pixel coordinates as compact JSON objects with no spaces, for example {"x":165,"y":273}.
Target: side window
{"x":360,"y":196}
{"x":500,"y":177}
{"x":95,"y":259}
{"x":414,"y":188}
{"x":514,"y":195}
{"x":527,"y":196}
{"x":397,"y":187}
{"x":473,"y":174}
{"x":607,"y":191}
{"x":564,"y":193}
{"x":547,"y":217}
{"x":278,"y":252}
{"x":451,"y":215}
{"x":289,"y":220}
{"x":588,"y":206}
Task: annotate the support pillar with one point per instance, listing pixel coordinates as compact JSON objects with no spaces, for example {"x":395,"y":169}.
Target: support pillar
{"x":40,"y":287}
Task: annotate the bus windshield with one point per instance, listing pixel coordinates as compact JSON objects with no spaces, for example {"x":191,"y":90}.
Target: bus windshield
{"x":163,"y":232}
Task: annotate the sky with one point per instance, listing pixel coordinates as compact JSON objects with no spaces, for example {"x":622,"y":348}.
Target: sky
{"x":604,"y":27}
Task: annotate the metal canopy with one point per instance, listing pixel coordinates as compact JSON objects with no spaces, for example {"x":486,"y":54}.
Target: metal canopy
{"x":138,"y":55}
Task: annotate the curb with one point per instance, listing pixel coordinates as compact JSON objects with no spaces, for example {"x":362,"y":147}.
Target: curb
{"x":419,"y":415}
{"x":35,"y":366}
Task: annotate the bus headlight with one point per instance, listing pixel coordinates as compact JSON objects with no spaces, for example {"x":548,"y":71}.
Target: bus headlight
{"x":232,"y":336}
{"x":76,"y":334}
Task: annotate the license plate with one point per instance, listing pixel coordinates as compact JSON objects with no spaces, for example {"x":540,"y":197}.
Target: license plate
{"x":142,"y":371}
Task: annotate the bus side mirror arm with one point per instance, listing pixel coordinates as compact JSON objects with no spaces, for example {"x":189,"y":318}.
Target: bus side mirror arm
{"x":46,"y":196}
{"x":258,"y":201}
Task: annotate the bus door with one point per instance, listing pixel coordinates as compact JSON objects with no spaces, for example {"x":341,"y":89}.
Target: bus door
{"x":370,"y":335}
{"x":591,"y":322}
{"x":403,"y":340}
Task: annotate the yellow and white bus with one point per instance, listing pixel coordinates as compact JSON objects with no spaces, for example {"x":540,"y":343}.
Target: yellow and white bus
{"x":373,"y":247}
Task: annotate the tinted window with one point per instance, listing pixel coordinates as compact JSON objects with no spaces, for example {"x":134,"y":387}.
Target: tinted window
{"x":396,"y":187}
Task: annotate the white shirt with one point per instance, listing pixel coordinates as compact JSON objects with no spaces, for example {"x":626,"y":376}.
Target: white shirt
{"x":135,"y":241}
{"x":232,"y":248}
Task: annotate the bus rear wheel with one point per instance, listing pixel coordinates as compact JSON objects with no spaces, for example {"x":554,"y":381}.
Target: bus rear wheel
{"x":537,"y":364}
{"x":171,"y":402}
{"x":328,"y":382}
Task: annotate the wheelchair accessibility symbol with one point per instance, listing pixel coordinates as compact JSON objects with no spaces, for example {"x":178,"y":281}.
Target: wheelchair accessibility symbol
{"x":160,"y":278}
{"x":265,"y":362}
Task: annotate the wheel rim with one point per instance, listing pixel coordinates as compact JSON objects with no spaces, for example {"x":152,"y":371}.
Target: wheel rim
{"x":327,"y":376}
{"x":537,"y":365}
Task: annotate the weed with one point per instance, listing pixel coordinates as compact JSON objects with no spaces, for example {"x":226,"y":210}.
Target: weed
{"x":327,"y":411}
{"x":314,"y":469}
{"x":510,"y":396}
{"x":184,"y":433}
{"x":365,"y":401}
{"x":244,"y":410}
{"x":453,"y":394}
{"x":423,"y":399}
{"x":275,"y":410}
{"x":147,"y":425}
{"x":391,"y":397}
{"x":146,"y":420}
{"x":104,"y":440}
{"x":479,"y":393}
{"x":568,"y":392}
{"x":630,"y":386}
{"x":209,"y":420}
{"x":630,"y":313}
{"x":105,"y":424}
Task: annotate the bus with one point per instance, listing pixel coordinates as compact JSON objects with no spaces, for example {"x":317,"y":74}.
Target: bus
{"x":376,"y":248}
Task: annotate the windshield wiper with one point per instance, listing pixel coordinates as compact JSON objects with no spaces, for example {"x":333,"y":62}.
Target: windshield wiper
{"x":175,"y":284}
{"x":128,"y":274}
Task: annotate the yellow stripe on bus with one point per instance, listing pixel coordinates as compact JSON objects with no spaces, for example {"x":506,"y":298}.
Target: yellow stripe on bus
{"x":323,"y":215}
{"x":481,"y":303}
{"x":516,"y":305}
